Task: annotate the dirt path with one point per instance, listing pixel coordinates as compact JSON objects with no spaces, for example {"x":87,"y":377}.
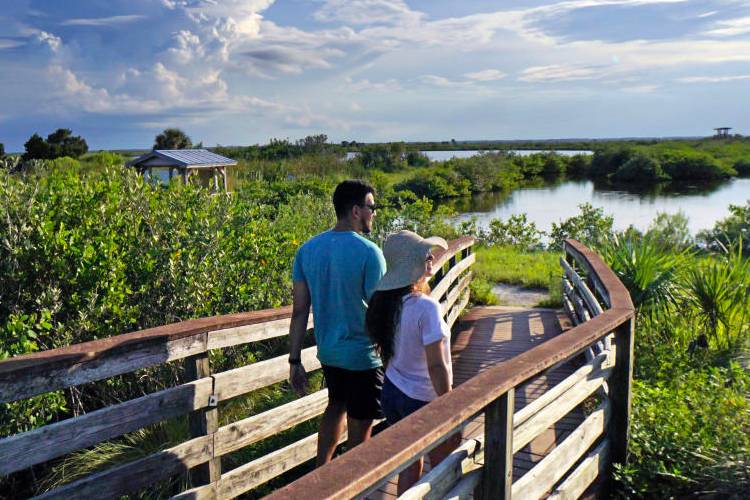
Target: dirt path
{"x":514,"y":295}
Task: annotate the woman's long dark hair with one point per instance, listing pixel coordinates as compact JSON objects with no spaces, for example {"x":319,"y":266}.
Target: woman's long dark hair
{"x":382,"y":319}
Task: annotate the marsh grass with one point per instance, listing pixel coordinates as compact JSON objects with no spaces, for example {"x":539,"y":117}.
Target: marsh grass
{"x":530,"y":269}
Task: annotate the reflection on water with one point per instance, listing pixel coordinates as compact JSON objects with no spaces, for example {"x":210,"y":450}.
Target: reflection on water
{"x":703,"y":204}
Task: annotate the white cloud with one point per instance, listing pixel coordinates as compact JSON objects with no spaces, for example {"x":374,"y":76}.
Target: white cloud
{"x":641,"y":89}
{"x":441,"y":81}
{"x":103,"y":21}
{"x":559,"y":72}
{"x":707,"y":14}
{"x":187,"y":47}
{"x":390,"y":85}
{"x":54,"y":42}
{"x":363,"y":12}
{"x":486,"y":75}
{"x":6,"y":43}
{"x":713,"y":79}
{"x":732,"y":27}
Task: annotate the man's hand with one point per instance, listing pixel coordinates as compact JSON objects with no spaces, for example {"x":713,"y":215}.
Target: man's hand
{"x":298,"y":379}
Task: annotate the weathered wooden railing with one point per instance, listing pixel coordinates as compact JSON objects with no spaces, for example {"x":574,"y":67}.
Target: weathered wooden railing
{"x":484,"y":466}
{"x":199,"y":397}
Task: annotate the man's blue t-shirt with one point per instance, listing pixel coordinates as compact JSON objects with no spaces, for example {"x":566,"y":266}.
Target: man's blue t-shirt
{"x":341,"y":269}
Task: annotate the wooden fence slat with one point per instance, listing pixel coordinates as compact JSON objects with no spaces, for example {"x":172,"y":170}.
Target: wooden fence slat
{"x":457,"y":309}
{"x":497,"y":475}
{"x":593,"y":466}
{"x":45,"y":443}
{"x":203,"y":421}
{"x":451,"y":276}
{"x":465,"y":488}
{"x":228,"y":337}
{"x":239,"y":381}
{"x":593,"y":305}
{"x":135,"y":475}
{"x":455,"y":292}
{"x":259,"y":471}
{"x":555,"y":392}
{"x":253,"y":429}
{"x":551,"y":468}
{"x":15,"y":385}
{"x":441,"y":478}
{"x":558,"y":408}
{"x":621,"y":390}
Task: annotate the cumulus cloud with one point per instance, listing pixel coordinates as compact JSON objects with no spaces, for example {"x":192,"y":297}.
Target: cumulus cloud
{"x":486,"y":75}
{"x":49,"y":40}
{"x":103,"y":21}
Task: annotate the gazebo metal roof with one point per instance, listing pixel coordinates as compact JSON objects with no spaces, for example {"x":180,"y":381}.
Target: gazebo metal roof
{"x":185,"y":158}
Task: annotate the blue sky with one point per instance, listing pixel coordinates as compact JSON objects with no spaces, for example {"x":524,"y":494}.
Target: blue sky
{"x":244,"y":71}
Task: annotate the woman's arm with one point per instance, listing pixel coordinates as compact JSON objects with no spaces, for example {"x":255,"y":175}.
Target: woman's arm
{"x":437,"y":367}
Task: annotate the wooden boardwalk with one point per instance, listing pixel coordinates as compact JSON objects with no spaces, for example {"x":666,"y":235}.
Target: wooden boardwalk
{"x":489,"y":335}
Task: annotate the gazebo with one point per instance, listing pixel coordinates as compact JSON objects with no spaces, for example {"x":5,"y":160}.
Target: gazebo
{"x":722,"y":131}
{"x":185,"y":162}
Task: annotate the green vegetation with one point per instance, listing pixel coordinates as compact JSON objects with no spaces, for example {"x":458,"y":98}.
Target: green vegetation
{"x":90,"y":249}
{"x":172,"y":138}
{"x":59,"y":143}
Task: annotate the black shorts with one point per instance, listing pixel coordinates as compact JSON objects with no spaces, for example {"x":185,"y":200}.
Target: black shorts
{"x":359,"y":390}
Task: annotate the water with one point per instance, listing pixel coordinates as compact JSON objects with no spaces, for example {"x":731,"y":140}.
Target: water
{"x":468,"y":153}
{"x":543,"y":205}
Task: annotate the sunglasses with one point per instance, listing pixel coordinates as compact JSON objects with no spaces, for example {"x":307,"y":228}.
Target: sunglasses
{"x":372,"y":207}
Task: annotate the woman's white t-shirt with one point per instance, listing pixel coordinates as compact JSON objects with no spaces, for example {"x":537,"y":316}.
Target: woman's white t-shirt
{"x":421,"y":324}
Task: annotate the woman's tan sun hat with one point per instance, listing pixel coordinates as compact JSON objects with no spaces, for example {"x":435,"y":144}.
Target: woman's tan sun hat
{"x":405,"y":253}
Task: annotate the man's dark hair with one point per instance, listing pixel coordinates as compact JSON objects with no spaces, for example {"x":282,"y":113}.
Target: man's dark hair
{"x":348,"y":194}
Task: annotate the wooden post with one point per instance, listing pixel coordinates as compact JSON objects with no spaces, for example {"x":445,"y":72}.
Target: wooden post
{"x":226,"y":181}
{"x":202,"y":422}
{"x":497,"y":476}
{"x":216,"y":179}
{"x":184,"y":173}
{"x":620,"y":384}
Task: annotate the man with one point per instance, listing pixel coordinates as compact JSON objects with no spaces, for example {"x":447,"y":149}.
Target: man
{"x":336,"y":272}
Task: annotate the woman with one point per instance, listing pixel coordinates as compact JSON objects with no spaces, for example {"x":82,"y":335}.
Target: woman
{"x":408,"y":329}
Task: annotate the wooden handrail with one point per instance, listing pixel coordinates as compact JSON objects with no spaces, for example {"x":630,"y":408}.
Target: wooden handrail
{"x":390,"y":451}
{"x":29,"y":375}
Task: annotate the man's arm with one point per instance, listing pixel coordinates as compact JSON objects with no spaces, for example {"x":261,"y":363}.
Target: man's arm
{"x":297,"y":330}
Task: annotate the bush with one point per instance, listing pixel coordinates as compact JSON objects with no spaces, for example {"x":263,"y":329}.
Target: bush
{"x":579,"y":166}
{"x":435,"y":185}
{"x":691,"y":165}
{"x":690,"y":432}
{"x":516,"y":231}
{"x":590,"y":227}
{"x":640,"y":168}
{"x":670,"y":231}
{"x":742,"y":167}
{"x":607,"y":161}
{"x":731,"y":231}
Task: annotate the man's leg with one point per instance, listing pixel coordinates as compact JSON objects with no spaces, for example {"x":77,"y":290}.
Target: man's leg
{"x":359,"y":431}
{"x":329,"y":432}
